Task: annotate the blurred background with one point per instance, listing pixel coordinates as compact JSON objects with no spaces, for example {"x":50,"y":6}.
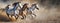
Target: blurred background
{"x":49,"y":11}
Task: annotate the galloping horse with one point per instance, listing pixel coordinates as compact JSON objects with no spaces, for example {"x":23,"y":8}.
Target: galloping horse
{"x":23,"y":9}
{"x":31,"y":9}
{"x":12,"y":11}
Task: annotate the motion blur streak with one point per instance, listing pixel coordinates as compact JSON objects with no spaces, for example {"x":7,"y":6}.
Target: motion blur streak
{"x":49,"y":11}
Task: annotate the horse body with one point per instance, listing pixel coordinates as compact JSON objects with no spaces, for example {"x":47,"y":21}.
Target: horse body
{"x":12,"y":11}
{"x":23,"y":9}
{"x":31,"y":9}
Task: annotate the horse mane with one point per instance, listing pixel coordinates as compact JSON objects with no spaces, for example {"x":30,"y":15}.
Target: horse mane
{"x":24,"y":7}
{"x":7,"y":7}
{"x":14,"y":4}
{"x":35,"y":6}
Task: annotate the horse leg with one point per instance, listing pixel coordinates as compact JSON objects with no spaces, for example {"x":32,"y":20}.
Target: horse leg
{"x":23,"y":16}
{"x":33,"y":15}
{"x":7,"y":14}
{"x":21,"y":13}
{"x":12,"y":15}
{"x":17,"y":16}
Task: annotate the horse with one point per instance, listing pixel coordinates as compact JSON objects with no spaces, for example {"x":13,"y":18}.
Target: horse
{"x":11,"y":12}
{"x":31,"y":9}
{"x":23,"y":9}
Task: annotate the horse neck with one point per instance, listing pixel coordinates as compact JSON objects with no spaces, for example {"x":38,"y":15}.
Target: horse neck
{"x":24,"y":7}
{"x":32,"y":7}
{"x":15,"y":7}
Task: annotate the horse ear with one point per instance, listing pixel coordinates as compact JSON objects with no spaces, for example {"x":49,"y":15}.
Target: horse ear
{"x":7,"y":6}
{"x":37,"y":8}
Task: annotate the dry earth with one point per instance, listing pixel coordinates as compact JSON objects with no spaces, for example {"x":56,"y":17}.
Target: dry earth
{"x":44,"y":15}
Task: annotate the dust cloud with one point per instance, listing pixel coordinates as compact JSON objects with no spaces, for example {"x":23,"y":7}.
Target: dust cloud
{"x":49,"y":11}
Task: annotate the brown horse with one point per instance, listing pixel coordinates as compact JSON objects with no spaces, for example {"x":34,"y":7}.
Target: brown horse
{"x":22,"y":10}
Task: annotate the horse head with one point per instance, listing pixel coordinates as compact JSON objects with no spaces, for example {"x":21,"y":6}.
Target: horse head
{"x":24,"y":6}
{"x":34,"y":5}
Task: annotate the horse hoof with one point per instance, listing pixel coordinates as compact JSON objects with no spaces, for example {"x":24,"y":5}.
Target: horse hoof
{"x":16,"y":18}
{"x":23,"y":18}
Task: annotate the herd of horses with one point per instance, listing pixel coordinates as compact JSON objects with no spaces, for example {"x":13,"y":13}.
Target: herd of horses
{"x":17,"y":10}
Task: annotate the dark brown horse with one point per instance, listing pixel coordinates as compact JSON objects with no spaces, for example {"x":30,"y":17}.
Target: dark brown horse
{"x":23,"y":9}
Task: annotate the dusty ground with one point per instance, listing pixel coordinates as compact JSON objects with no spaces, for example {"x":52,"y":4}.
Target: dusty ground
{"x":44,"y":15}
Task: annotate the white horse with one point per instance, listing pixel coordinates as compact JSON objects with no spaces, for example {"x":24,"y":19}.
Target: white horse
{"x":11,"y":10}
{"x":31,"y":9}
